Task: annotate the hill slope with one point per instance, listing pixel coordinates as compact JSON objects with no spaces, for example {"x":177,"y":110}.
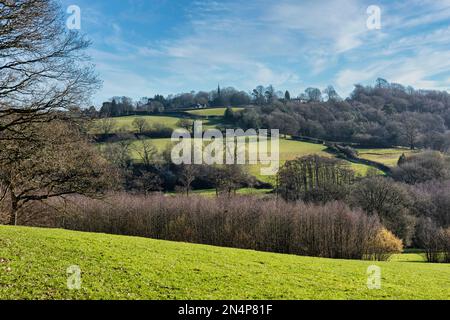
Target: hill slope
{"x":33,"y":264}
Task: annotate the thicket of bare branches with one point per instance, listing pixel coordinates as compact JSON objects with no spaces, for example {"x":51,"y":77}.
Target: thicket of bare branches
{"x":58,"y":162}
{"x":314,"y":178}
{"x":332,"y":230}
{"x":434,"y":240}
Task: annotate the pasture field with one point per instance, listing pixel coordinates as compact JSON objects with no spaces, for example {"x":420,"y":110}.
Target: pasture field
{"x":34,"y":264}
{"x":216,"y":112}
{"x":289,"y":150}
{"x":125,"y":124}
{"x":241,"y":192}
{"x":388,"y":157}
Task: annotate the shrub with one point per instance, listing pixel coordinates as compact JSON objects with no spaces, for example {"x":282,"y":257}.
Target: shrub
{"x":159,"y":130}
{"x":434,"y":240}
{"x":432,"y":200}
{"x":422,"y":167}
{"x":385,"y":244}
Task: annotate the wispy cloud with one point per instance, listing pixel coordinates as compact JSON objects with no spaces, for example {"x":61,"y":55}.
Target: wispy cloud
{"x":142,"y":48}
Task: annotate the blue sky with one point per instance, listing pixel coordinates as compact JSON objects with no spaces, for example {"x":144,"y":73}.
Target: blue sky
{"x":144,"y":47}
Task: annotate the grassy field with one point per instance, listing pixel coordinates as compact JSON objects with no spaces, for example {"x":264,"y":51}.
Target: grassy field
{"x":242,"y":192}
{"x":289,"y":150}
{"x":217,"y":112}
{"x":33,"y":264}
{"x":125,"y":124}
{"x":388,"y":157}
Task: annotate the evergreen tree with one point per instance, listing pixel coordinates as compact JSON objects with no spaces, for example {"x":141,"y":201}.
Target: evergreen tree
{"x":287,"y":96}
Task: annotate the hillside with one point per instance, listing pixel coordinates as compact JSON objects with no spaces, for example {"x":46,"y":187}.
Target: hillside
{"x":33,"y":264}
{"x":289,"y":149}
{"x":213,"y":118}
{"x":216,"y":112}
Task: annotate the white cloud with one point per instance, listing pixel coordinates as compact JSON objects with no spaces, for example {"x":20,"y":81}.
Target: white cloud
{"x":420,"y":71}
{"x":286,"y":43}
{"x":340,"y":25}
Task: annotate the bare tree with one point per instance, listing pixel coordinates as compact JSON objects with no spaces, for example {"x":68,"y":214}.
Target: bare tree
{"x":411,"y":131}
{"x":42,"y":64}
{"x":58,"y":162}
{"x":188,"y":175}
{"x":141,"y":125}
{"x":331,"y":94}
{"x":270,"y":94}
{"x":313,"y":94}
{"x":186,"y":124}
{"x":106,"y":125}
{"x":147,"y":153}
{"x":389,"y":200}
{"x":119,"y":154}
{"x":228,"y":179}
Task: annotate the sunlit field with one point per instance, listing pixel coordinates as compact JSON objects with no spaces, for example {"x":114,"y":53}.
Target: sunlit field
{"x":118,"y":267}
{"x":217,"y":112}
{"x":125,"y":124}
{"x":289,"y":150}
{"x":388,"y":157}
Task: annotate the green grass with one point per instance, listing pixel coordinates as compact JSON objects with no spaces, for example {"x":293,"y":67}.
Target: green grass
{"x":160,"y":144}
{"x":292,"y":149}
{"x":125,"y":124}
{"x":409,"y":257}
{"x":33,"y":264}
{"x":243,"y":192}
{"x":217,"y":112}
{"x":289,"y":150}
{"x":388,"y":157}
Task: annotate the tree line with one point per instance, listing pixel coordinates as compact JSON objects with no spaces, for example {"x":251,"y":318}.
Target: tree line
{"x":383,"y":115}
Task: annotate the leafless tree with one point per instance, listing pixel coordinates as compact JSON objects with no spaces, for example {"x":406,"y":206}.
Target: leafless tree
{"x":147,"y":153}
{"x":118,"y":153}
{"x":188,"y":175}
{"x":141,"y":125}
{"x":43,"y":67}
{"x":186,"y":124}
{"x":105,"y":125}
{"x":389,"y":200}
{"x":58,"y":162}
{"x":411,"y":131}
